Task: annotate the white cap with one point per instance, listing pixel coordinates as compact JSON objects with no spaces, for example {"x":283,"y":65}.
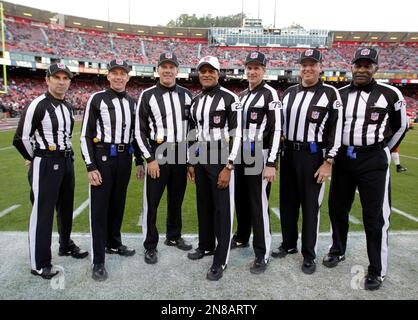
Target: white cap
{"x":212,"y":61}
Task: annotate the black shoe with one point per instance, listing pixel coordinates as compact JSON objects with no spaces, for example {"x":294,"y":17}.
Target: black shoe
{"x":259,"y":266}
{"x":179,"y":243}
{"x":400,"y":169}
{"x":122,"y":251}
{"x":199,"y":254}
{"x":280,"y":252}
{"x":332,"y":260}
{"x":45,"y":273}
{"x":151,"y":256}
{"x":308,"y":266}
{"x":99,"y":272}
{"x":73,"y":251}
{"x":372,"y":282}
{"x":236,"y":245}
{"x":215,"y":273}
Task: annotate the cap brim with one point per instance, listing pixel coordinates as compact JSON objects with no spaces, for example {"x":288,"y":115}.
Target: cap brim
{"x":69,"y":74}
{"x":255,"y":61}
{"x":169,"y":61}
{"x":206,"y":64}
{"x":120,"y":67}
{"x":309,"y":58}
{"x":364,"y":58}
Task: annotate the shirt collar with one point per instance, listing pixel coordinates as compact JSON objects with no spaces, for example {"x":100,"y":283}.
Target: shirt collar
{"x":211,"y":91}
{"x":367,"y":88}
{"x":117,"y":94}
{"x":54,"y":100}
{"x":312,"y":88}
{"x":261,"y":85}
{"x":165,"y":89}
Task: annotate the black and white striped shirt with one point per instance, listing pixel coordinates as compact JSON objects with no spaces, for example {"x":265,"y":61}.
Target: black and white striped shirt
{"x":313,"y":114}
{"x":216,"y":115}
{"x":108,"y":118}
{"x":262,"y":119}
{"x":373,"y":114}
{"x":47,"y":124}
{"x":162,"y":116}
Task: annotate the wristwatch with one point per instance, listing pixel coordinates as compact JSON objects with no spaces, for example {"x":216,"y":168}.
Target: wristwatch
{"x":230,"y":166}
{"x":330,"y":160}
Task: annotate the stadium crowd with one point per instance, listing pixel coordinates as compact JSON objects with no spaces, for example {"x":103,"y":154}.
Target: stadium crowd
{"x":101,"y":46}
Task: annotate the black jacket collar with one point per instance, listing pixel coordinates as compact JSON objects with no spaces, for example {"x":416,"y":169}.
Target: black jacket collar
{"x":212,"y":91}
{"x":367,"y":88}
{"x":114,"y":93}
{"x":261,"y":85}
{"x":165,"y":89}
{"x":312,"y":88}
{"x":54,"y":100}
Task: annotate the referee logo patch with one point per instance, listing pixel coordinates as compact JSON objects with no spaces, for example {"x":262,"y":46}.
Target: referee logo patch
{"x":365,"y":52}
{"x":374,"y":116}
{"x":308,"y":53}
{"x":315,"y":115}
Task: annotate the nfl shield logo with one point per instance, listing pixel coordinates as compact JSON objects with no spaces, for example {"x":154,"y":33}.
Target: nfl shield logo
{"x":216,"y":120}
{"x":254,"y":55}
{"x":365,"y":52}
{"x":119,"y":62}
{"x":104,"y":158}
{"x":61,"y":65}
{"x":375,"y":116}
{"x":253,"y":116}
{"x":308,"y":53}
{"x":315,"y":115}
{"x":168,"y":55}
{"x":56,"y":167}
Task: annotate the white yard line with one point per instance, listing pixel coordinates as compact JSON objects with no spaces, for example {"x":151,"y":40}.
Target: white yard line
{"x":276,"y":211}
{"x":80,"y":209}
{"x":406,"y":215}
{"x":408,"y":157}
{"x":7,"y":148}
{"x":8,"y":210}
{"x":354,"y":219}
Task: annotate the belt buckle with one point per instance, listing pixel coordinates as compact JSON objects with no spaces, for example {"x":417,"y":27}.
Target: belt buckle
{"x":297,"y":146}
{"x":121,"y":148}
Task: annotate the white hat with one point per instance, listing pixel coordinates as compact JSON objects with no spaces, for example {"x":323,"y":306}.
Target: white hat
{"x":212,"y":61}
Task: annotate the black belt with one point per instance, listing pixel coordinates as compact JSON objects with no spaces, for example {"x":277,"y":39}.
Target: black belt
{"x":53,"y":154}
{"x":373,"y":147}
{"x":121,"y":148}
{"x":298,"y":146}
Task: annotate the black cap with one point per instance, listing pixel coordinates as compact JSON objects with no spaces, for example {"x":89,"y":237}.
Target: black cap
{"x":58,"y":67}
{"x":168,"y":57}
{"x":366,"y":54}
{"x":119,"y":63}
{"x":312,"y":54}
{"x":256,"y":57}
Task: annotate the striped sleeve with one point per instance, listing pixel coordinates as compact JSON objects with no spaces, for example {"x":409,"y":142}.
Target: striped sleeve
{"x":88,"y":133}
{"x":28,"y":124}
{"x":235,"y":126}
{"x":275,"y":126}
{"x":398,"y":121}
{"x":335,"y":124}
{"x":141,"y":128}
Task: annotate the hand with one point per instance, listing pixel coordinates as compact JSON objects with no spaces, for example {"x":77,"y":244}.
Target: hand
{"x":269,"y":174}
{"x":224,"y":178}
{"x":323,"y":173}
{"x":140,"y":172}
{"x":28,"y":163}
{"x":154,"y":169}
{"x":95,"y":178}
{"x":191,"y":174}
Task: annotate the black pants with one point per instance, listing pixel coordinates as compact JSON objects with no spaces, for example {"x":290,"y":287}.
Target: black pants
{"x":174,"y":177}
{"x":252,"y":209}
{"x":370,"y":174}
{"x":298,"y":187}
{"x":215,"y":212}
{"x":107,"y":202}
{"x":52,"y":187}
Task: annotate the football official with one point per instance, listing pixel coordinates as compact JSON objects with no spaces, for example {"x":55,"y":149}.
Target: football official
{"x":375,"y":123}
{"x":261,"y":142}
{"x":107,"y":146}
{"x":216,"y":125}
{"x":43,"y":138}
{"x":312,"y":114}
{"x":161,"y":127}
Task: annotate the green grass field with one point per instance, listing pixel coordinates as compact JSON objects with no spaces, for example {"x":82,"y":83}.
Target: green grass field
{"x":15,"y":191}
